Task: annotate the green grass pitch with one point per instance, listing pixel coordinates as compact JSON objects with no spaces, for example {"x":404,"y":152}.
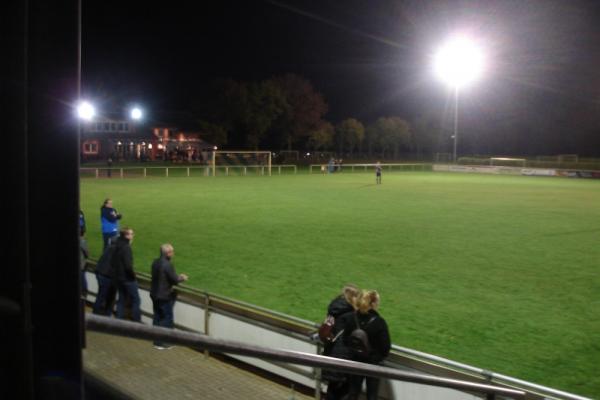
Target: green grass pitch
{"x":495,"y":271}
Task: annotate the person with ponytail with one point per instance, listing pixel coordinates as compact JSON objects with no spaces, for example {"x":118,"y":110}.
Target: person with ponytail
{"x":337,"y":382}
{"x":367,"y":319}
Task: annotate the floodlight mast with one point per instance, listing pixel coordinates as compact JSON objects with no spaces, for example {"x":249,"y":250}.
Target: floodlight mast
{"x":458,"y":63}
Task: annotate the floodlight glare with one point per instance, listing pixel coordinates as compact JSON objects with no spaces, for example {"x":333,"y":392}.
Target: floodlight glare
{"x":136,"y":113}
{"x":458,"y":62}
{"x":86,"y":111}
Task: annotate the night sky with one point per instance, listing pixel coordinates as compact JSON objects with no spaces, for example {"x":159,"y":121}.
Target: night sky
{"x":370,"y":58}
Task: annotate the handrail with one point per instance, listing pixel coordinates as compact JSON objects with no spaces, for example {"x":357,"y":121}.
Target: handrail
{"x":490,"y":375}
{"x":346,"y":167}
{"x":303,"y":326}
{"x":185,"y":289}
{"x":141,"y":331}
{"x":191,"y":166}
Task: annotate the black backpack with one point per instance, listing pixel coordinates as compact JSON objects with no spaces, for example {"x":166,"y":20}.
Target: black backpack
{"x":358,"y":341}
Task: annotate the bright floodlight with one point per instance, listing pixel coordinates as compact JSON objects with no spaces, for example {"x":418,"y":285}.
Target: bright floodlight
{"x":458,"y":62}
{"x":136,"y":113}
{"x":86,"y":111}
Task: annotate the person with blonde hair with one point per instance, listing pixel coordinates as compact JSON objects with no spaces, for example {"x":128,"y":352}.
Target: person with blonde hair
{"x":372,"y":345}
{"x":337,"y":382}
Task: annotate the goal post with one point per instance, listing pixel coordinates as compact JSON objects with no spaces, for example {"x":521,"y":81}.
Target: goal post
{"x":442,"y":158}
{"x":248,"y":159}
{"x":564,"y":158}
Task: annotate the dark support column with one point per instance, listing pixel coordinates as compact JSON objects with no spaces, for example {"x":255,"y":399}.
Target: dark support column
{"x":40,"y":320}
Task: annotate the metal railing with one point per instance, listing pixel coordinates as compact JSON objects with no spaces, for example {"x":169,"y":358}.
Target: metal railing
{"x":203,"y":342}
{"x":206,"y":170}
{"x":490,"y":376}
{"x":304,"y":330}
{"x":370,"y":167}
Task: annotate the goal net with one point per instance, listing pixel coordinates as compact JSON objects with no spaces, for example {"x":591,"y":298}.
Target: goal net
{"x":508,"y":161}
{"x":443,"y":158}
{"x":241,"y":162}
{"x":568,"y":158}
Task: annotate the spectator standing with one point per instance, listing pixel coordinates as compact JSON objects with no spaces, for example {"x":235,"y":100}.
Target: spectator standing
{"x":127,"y":286}
{"x":162,"y":294}
{"x":82,"y":225}
{"x":109,"y":169}
{"x":107,"y":283}
{"x":109,"y":219}
{"x":378,"y":173}
{"x":337,"y":382}
{"x":366,"y":318}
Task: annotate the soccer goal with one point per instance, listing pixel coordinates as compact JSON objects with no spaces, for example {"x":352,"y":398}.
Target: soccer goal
{"x":443,"y":158}
{"x":258,"y":162}
{"x":508,"y":161}
{"x":568,"y":158}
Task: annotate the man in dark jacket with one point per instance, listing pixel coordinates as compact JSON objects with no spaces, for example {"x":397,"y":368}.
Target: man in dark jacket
{"x":122,"y":262}
{"x":161,"y":291}
{"x":107,"y":283}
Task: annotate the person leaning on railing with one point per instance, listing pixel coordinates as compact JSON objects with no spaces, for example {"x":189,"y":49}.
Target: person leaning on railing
{"x":366,"y":318}
{"x":337,"y":382}
{"x":122,"y":262}
{"x":162,"y":294}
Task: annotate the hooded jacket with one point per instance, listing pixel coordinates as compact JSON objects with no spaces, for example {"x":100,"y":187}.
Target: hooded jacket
{"x":122,"y":260}
{"x":376,"y":329}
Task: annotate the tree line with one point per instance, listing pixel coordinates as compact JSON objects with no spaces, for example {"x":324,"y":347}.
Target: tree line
{"x":287,"y":112}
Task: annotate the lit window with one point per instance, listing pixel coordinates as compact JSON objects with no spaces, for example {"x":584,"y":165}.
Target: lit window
{"x":90,"y":148}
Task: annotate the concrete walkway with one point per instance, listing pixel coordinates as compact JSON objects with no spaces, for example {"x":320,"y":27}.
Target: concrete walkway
{"x":139,"y":371}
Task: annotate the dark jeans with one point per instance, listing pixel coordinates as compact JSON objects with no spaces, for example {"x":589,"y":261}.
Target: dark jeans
{"x":356,"y":386}
{"x":128,"y":291}
{"x":163,"y":315}
{"x":107,"y":237}
{"x":337,"y":390}
{"x":105,"y":299}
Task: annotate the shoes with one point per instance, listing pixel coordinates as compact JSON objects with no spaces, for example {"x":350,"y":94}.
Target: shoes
{"x":163,"y":347}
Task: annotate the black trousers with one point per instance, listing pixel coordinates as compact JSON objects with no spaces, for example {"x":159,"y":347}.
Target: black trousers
{"x":356,"y":386}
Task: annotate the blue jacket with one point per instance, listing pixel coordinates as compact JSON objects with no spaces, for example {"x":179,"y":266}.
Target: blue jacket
{"x":82,"y":226}
{"x":109,"y":219}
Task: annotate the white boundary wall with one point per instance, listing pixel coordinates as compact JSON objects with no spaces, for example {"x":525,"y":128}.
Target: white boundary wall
{"x":224,"y":326}
{"x":496,"y":170}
